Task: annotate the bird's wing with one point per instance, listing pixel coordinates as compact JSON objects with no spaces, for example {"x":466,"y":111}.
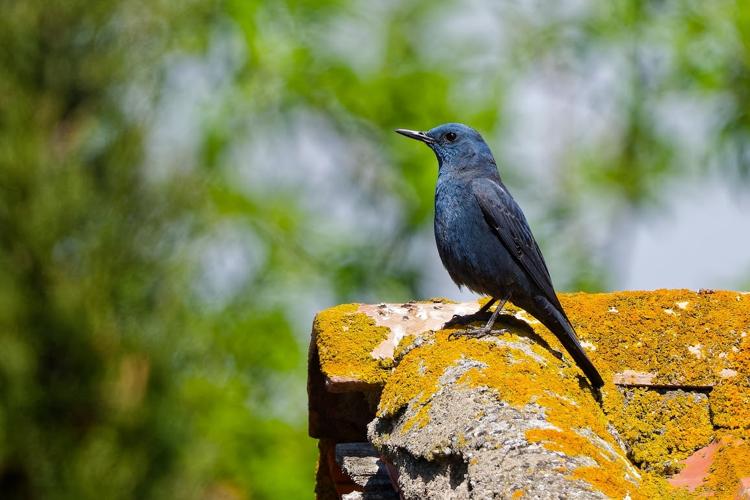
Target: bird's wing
{"x":507,"y":221}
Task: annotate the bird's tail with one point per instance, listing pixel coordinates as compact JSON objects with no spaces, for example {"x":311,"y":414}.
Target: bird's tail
{"x":558,"y":323}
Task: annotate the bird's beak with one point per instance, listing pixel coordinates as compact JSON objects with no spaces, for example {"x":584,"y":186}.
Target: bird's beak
{"x":415,"y":134}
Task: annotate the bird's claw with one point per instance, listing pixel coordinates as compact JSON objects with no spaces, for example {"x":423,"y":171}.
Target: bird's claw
{"x":458,"y":319}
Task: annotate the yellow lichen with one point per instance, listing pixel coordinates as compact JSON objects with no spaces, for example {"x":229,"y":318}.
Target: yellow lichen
{"x":683,"y":337}
{"x":663,"y":429}
{"x":403,"y":346}
{"x":537,"y":377}
{"x":568,"y":443}
{"x":345,"y":339}
{"x":730,"y":399}
{"x":610,"y":475}
{"x":679,"y":336}
{"x":651,"y":487}
{"x":418,"y":374}
{"x":461,"y":440}
{"x":604,"y":479}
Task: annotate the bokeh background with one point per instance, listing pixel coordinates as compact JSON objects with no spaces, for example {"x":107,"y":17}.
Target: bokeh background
{"x":183,"y":184}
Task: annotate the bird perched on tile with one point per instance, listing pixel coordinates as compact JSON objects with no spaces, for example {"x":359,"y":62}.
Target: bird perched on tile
{"x":484,"y":240}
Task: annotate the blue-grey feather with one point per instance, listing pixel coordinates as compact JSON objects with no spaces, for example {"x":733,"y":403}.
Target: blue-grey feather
{"x":484,"y":240}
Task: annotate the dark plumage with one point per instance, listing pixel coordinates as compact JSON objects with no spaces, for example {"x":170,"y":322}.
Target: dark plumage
{"x":484,"y":240}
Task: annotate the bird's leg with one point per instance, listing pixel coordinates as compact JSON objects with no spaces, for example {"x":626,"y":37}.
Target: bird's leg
{"x":457,"y":319}
{"x":487,"y":306}
{"x":486,"y":329}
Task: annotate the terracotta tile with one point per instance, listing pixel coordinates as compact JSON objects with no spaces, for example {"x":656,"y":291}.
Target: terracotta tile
{"x":696,"y":467}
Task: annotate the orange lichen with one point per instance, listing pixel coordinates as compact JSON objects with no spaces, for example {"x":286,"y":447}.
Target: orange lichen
{"x":608,"y":475}
{"x":418,"y":374}
{"x":679,"y":336}
{"x":345,"y":339}
{"x":731,"y":406}
{"x":568,"y":443}
{"x":537,"y":377}
{"x":683,"y":337}
{"x":403,"y":347}
{"x":651,"y":487}
{"x":730,"y":400}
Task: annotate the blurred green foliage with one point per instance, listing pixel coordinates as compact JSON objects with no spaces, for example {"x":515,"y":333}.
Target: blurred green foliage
{"x":183,"y":184}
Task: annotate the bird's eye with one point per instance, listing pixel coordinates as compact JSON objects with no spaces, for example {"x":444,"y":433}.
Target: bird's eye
{"x":450,"y":136}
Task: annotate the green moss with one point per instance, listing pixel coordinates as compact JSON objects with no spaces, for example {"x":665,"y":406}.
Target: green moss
{"x":345,"y":339}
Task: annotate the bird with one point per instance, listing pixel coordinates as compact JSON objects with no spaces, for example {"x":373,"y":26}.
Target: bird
{"x":484,"y":240}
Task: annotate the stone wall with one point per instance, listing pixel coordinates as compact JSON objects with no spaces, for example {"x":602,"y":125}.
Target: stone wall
{"x":402,"y":408}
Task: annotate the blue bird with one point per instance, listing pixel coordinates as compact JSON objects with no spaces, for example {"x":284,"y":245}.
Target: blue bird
{"x":484,"y":240}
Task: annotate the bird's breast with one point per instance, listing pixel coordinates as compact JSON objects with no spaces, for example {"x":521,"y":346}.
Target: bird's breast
{"x":470,"y":252}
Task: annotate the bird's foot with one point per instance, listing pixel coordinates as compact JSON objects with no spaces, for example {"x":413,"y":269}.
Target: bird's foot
{"x":465,"y":319}
{"x":476,"y":333}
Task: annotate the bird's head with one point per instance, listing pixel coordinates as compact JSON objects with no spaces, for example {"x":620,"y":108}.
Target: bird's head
{"x":457,"y":146}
